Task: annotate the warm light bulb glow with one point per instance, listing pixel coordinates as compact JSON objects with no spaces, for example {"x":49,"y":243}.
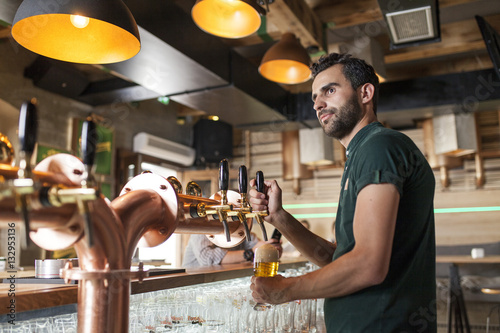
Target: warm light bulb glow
{"x":79,"y":21}
{"x":99,"y":43}
{"x":285,"y":71}
{"x":226,"y":18}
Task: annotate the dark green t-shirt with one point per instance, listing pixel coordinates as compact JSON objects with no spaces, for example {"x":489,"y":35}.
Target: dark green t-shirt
{"x":406,"y":300}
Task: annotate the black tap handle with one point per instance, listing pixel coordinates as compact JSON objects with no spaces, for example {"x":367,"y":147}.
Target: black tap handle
{"x":89,"y":142}
{"x":259,"y":179}
{"x":223,"y":175}
{"x":243,"y":179}
{"x":276,"y":234}
{"x":88,"y":147}
{"x":28,"y":127}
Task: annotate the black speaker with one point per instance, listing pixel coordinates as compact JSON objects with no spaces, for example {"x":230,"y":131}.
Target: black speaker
{"x":213,"y":141}
{"x":57,"y":77}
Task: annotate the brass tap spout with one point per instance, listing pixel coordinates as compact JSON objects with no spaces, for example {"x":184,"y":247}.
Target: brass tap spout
{"x":221,"y":210}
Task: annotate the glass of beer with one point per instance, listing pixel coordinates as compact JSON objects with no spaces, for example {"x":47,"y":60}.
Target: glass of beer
{"x":265,"y":264}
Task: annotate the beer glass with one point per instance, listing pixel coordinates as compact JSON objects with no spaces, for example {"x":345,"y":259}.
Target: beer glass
{"x":266,"y":263}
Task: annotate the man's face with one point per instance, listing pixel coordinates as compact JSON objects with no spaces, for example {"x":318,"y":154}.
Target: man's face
{"x":336,"y":103}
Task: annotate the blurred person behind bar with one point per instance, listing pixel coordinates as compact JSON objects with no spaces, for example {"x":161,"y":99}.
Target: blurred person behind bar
{"x":379,"y":275}
{"x":200,"y":251}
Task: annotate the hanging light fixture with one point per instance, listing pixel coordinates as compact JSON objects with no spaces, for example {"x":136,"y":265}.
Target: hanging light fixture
{"x":286,"y":61}
{"x":80,"y":31}
{"x":228,"y":18}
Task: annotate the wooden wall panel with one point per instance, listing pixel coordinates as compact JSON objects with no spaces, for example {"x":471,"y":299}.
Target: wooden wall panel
{"x":324,"y":187}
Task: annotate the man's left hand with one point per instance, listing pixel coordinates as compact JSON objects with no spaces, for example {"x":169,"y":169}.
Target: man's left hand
{"x":270,"y":290}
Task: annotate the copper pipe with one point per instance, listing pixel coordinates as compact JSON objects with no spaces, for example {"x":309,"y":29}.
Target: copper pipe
{"x":42,"y":218}
{"x":149,"y":213}
{"x":103,"y":304}
{"x":9,"y":172}
{"x":145,"y":214}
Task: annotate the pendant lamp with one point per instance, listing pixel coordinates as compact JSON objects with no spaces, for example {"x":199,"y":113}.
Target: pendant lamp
{"x":286,"y":61}
{"x":80,"y":31}
{"x":227,"y":18}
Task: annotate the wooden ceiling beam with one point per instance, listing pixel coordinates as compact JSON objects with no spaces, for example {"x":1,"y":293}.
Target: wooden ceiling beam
{"x":456,"y":38}
{"x":297,"y":17}
{"x":347,"y":13}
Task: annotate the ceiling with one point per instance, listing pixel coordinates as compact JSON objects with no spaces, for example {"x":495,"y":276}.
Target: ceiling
{"x":219,"y":76}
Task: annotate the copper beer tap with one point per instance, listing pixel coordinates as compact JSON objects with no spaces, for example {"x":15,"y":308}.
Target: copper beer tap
{"x":66,"y":209}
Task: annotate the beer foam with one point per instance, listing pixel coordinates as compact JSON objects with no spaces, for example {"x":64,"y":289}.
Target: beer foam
{"x":266,"y":253}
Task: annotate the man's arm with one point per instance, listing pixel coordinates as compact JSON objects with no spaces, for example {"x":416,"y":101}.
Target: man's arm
{"x":310,"y":245}
{"x":366,"y":265}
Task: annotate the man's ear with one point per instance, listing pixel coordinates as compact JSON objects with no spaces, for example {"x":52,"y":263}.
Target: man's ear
{"x":367,"y":92}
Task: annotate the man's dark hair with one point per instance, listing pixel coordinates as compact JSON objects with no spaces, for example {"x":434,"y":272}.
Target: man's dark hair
{"x":356,"y":71}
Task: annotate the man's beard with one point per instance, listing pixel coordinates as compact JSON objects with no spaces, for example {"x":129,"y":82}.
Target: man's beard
{"x":345,"y":119}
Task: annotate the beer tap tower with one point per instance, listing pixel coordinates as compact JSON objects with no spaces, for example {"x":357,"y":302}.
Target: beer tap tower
{"x":59,"y":205}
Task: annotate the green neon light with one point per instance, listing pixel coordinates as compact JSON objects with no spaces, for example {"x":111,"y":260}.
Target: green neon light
{"x":314,"y":216}
{"x":467,"y":209}
{"x":335,"y":204}
{"x":312,"y":205}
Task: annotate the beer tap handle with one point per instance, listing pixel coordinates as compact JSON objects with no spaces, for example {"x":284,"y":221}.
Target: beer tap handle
{"x":243,"y":180}
{"x":88,"y":147}
{"x":223,"y":187}
{"x":223,"y":180}
{"x":259,"y":180}
{"x":28,"y":128}
{"x":243,"y":187}
{"x":276,"y":235}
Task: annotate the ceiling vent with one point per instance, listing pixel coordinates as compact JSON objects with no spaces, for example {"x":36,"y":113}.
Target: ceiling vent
{"x":410,"y":25}
{"x":412,"y":22}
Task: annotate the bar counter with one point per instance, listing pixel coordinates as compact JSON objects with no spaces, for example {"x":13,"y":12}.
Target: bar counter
{"x":40,"y":295}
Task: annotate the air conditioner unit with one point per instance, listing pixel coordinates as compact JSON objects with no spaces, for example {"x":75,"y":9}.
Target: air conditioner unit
{"x":151,"y":145}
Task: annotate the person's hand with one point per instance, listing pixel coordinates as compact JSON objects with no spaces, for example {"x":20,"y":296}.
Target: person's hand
{"x":270,"y":290}
{"x":269,"y":200}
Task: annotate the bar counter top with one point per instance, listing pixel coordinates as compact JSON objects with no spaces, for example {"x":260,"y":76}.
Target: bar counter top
{"x":29,"y":296}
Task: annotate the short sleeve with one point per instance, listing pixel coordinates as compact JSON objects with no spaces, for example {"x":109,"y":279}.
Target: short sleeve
{"x":385,"y":161}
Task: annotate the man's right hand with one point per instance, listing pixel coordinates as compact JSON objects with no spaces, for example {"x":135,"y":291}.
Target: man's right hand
{"x":270,"y":199}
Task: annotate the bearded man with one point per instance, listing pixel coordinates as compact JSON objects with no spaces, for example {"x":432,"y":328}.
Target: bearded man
{"x":379,"y":275}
